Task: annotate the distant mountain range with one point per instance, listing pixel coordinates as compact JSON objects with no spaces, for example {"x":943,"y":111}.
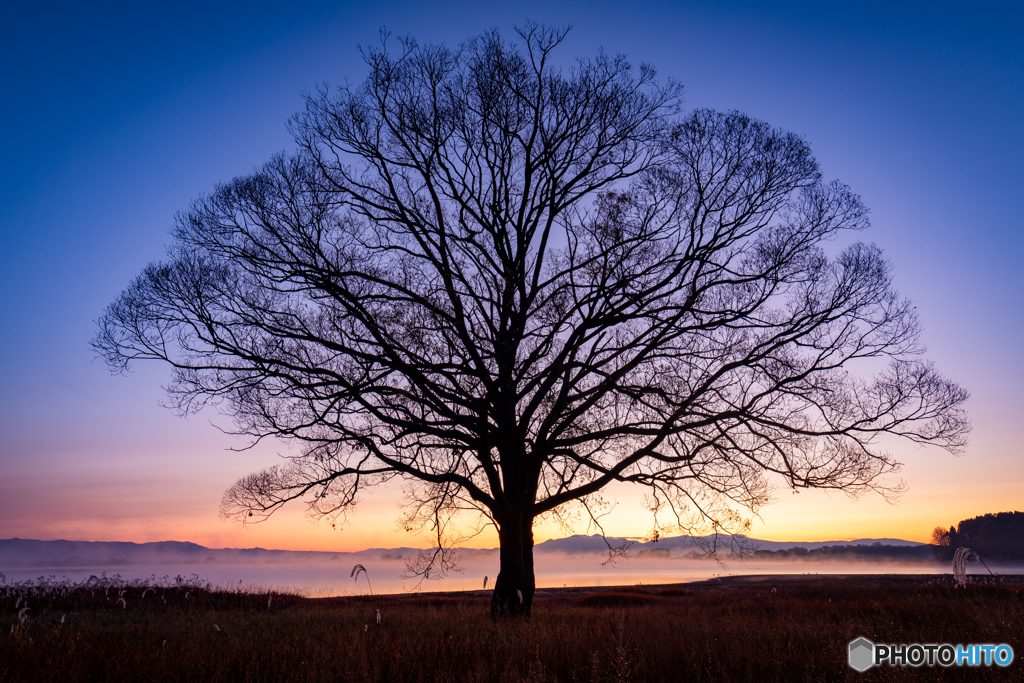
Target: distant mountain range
{"x":18,"y":552}
{"x":597,"y":544}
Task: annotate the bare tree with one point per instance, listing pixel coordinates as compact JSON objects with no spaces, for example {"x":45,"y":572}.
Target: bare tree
{"x":512,"y":284}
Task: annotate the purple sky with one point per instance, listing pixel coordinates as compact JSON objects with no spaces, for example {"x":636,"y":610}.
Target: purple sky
{"x":116,"y":117}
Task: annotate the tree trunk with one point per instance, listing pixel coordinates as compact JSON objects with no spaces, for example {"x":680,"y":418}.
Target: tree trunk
{"x":513,"y":590}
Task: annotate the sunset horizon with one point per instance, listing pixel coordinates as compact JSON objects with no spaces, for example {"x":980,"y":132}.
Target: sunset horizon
{"x":534,"y":341}
{"x":94,"y":179}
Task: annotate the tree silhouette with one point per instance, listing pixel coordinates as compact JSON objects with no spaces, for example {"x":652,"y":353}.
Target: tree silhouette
{"x":511,"y":284}
{"x":995,"y":535}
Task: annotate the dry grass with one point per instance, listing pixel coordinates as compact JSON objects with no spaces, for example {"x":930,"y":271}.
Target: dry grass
{"x":744,"y":629}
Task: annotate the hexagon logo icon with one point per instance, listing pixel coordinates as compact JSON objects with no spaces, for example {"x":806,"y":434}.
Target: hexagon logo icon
{"x":862,"y":654}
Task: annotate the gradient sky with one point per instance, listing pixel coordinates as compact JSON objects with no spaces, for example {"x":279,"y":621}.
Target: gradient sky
{"x":117,"y":115}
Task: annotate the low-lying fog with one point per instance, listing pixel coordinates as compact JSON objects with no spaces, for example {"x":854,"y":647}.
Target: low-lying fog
{"x":328,"y":574}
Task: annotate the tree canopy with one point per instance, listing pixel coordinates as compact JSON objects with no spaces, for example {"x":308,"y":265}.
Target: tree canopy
{"x":512,"y":283}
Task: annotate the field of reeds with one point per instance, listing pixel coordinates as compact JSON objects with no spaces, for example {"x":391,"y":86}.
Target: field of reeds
{"x":771,"y":628}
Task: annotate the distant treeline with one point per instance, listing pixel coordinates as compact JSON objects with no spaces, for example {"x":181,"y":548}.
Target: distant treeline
{"x":996,"y":536}
{"x":875,"y":551}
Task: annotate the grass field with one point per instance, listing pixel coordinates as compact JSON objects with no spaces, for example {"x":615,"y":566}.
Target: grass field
{"x":771,"y":628}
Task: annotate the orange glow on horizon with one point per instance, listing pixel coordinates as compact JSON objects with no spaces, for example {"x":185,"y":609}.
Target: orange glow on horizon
{"x":176,"y":504}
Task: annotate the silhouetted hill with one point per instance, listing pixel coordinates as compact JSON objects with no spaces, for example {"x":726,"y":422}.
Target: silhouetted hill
{"x":596,"y":544}
{"x":15,"y":552}
{"x":995,"y":535}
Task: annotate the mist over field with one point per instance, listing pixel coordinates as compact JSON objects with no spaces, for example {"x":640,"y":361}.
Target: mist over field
{"x":574,"y":561}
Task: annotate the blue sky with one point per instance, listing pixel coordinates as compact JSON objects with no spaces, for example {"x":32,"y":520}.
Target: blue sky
{"x":118,"y":115}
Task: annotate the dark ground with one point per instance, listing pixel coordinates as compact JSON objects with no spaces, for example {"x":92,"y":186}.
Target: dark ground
{"x":738,"y":628}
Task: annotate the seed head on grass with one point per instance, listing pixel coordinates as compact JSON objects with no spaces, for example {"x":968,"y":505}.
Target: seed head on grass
{"x":355,"y":574}
{"x":960,"y":560}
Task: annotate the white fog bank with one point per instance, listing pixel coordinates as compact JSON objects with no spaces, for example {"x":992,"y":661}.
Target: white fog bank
{"x":329,"y":574}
